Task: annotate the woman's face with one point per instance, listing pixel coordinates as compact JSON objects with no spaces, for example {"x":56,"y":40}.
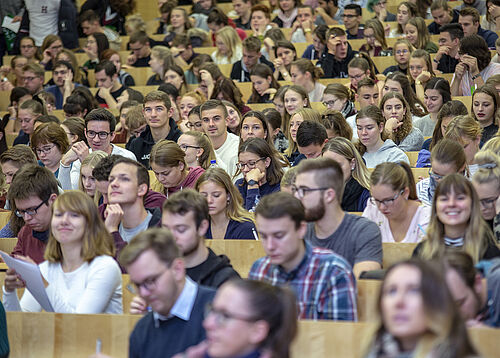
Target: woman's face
{"x":356,"y":75}
{"x":177,"y":19}
{"x":433,"y":100}
{"x":294,"y":101}
{"x":299,"y":78}
{"x":402,"y":54}
{"x":417,"y":65}
{"x":286,"y":5}
{"x":252,"y":128}
{"x":229,"y":317}
{"x":454,"y":209}
{"x":259,"y":20}
{"x":369,"y":133}
{"x":234,"y":118}
{"x":471,"y":147}
{"x":186,"y":105}
{"x":295,"y":122}
{"x":18,"y":67}
{"x":370,"y":36}
{"x":319,"y":46}
{"x":91,"y":44}
{"x":488,"y":194}
{"x":255,"y":160}
{"x":286,"y":55}
{"x":402,"y":306}
{"x":390,"y":202}
{"x":115,"y":59}
{"x":391,"y":86}
{"x":88,"y":181}
{"x":68,"y":227}
{"x":72,"y":138}
{"x":57,"y":47}
{"x":403,"y":15}
{"x":169,"y":177}
{"x":221,"y":46}
{"x":173,"y":78}
{"x":216,"y":196}
{"x":332,"y":102}
{"x":444,"y":124}
{"x":190,"y":147}
{"x":346,"y":165}
{"x":49,"y":154}
{"x":194,"y":123}
{"x":279,"y":105}
{"x":411,"y":33}
{"x":156,"y":65}
{"x":260,"y":84}
{"x":28,"y":48}
{"x":394,"y":108}
{"x":484,"y":108}
{"x":205,"y":4}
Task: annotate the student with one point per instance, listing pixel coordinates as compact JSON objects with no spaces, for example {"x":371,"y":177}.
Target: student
{"x":485,"y":181}
{"x":469,"y":19}
{"x":443,"y":15}
{"x":160,"y":60}
{"x":305,"y":74}
{"x":397,"y":82}
{"x":338,"y":54}
{"x":229,"y":48}
{"x":264,"y":85}
{"x":465,"y":231}
{"x":251,"y":57}
{"x":89,"y":22}
{"x":329,"y":12}
{"x":198,"y":149}
{"x":429,"y":306}
{"x":28,"y":49}
{"x":355,"y":174}
{"x":394,"y":204}
{"x":78,"y":248}
{"x":352,"y":21}
{"x":437,"y":93}
{"x":360,"y":67}
{"x":228,"y":217}
{"x":254,"y":125}
{"x":405,"y":11}
{"x":281,"y":223}
{"x":182,"y":49}
{"x":376,"y":44}
{"x":96,"y":44}
{"x":175,"y":76}
{"x":260,"y":21}
{"x":420,"y":71}
{"x":311,"y":136}
{"x":75,"y":129}
{"x":337,"y":97}
{"x":292,"y":154}
{"x":285,"y":54}
{"x":317,"y":49}
{"x":62,"y":76}
{"x":398,"y":123}
{"x":188,"y":101}
{"x":170,"y":168}
{"x":319,"y":185}
{"x":274,"y":120}
{"x":466,"y":131}
{"x":16,"y":70}
{"x":33,"y":78}
{"x":304,"y":25}
{"x":287,"y":13}
{"x":28,"y":112}
{"x":87,"y":182}
{"x":380,"y":10}
{"x":243,"y":8}
{"x":367,"y":94}
{"x":49,"y":142}
{"x":109,"y":86}
{"x":10,"y":121}
{"x":445,"y":59}
{"x":79,"y":76}
{"x":374,"y":144}
{"x":416,"y":32}
{"x":262,"y":171}
{"x":489,"y":20}
{"x":336,"y":125}
{"x":178,"y":24}
{"x":485,"y":103}
{"x":51,"y":46}
{"x":217,"y":20}
{"x":402,"y":52}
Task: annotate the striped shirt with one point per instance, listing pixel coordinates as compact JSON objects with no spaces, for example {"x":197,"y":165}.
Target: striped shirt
{"x":323,"y":283}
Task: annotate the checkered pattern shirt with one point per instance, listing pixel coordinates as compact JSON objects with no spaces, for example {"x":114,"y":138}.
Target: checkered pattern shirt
{"x":323,"y":283}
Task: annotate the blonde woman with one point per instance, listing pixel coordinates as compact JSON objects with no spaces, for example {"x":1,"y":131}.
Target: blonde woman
{"x":405,"y":11}
{"x":87,"y":182}
{"x":486,"y":181}
{"x":161,"y":59}
{"x":417,"y":33}
{"x":292,"y":153}
{"x":198,"y":148}
{"x":229,"y":47}
{"x":338,"y":97}
{"x":376,"y":44}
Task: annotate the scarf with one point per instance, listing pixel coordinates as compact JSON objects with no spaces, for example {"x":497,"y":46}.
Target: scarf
{"x":348,"y":110}
{"x":287,"y":21}
{"x":458,"y":242}
{"x":352,"y":192}
{"x":386,"y":346}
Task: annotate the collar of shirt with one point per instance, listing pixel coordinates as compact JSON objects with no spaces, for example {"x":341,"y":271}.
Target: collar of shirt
{"x":183,"y":306}
{"x":287,"y":276}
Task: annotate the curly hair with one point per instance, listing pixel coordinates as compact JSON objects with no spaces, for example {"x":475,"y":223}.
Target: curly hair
{"x":405,"y":129}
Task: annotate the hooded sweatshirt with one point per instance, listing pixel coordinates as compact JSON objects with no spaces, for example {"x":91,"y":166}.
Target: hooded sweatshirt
{"x":388,"y":152}
{"x":212,"y":272}
{"x":334,"y":68}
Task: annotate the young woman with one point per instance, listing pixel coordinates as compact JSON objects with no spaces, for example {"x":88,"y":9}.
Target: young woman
{"x":254,"y":125}
{"x":51,"y":46}
{"x":406,"y":11}
{"x":337,"y":97}
{"x":402,"y":52}
{"x":336,"y":125}
{"x":161,"y":59}
{"x":394,"y":204}
{"x":124,"y":77}
{"x":305,"y":74}
{"x":417,"y":33}
{"x":273,"y":119}
{"x":374,"y":144}
{"x":228,"y":217}
{"x":75,"y":130}
{"x":356,"y":175}
{"x":262,"y":171}
{"x":279,"y":101}
{"x":178,"y":24}
{"x":170,"y":168}
{"x":376,"y":44}
{"x":229,"y":49}
{"x":260,"y":19}
{"x":485,"y":103}
{"x":234,"y":117}
{"x":226,"y":90}
{"x":436,"y":94}
{"x":80,"y":273}
{"x":292,"y":153}
{"x":294,"y":98}
{"x":80,"y":76}
{"x":287,"y":13}
{"x":29,"y":50}
{"x":397,"y":82}
{"x":398,"y":123}
{"x":431,"y":327}
{"x":456,"y":223}
{"x":194,"y":120}
{"x":264,"y":85}
{"x":486,"y":182}
{"x":420,"y":71}
{"x":175,"y":75}
{"x":379,"y":7}
{"x":188,"y":102}
{"x":86,"y":183}
{"x":49,"y":142}
{"x":491,"y":19}
{"x":192,"y":73}
{"x":466,"y":131}
{"x":15,"y":72}
{"x":285,"y":54}
{"x":198,"y":149}
{"x":271,"y":39}
{"x":317,"y":49}
{"x":28,"y":112}
{"x":360,"y":67}
{"x":96,"y":44}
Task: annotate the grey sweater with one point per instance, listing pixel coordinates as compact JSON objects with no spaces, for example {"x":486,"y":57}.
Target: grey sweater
{"x":426,"y":125}
{"x":388,"y":152}
{"x":412,"y":142}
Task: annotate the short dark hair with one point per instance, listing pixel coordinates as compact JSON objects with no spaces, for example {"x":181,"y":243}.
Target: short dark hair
{"x":273,"y":117}
{"x":181,"y":39}
{"x":455,"y":30}
{"x":366,"y":82}
{"x":17,"y":93}
{"x":354,"y":7}
{"x":280,"y":204}
{"x":88,"y":15}
{"x":32,"y":180}
{"x":252,"y":43}
{"x":66,"y":64}
{"x":139,"y":36}
{"x":169,"y":89}
{"x":101,"y":114}
{"x":142,"y":171}
{"x":196,"y":110}
{"x":212,"y":104}
{"x":103,"y":168}
{"x":185,"y":201}
{"x":108,"y":67}
{"x":218,"y":17}
{"x":327,"y":173}
{"x":311,"y":132}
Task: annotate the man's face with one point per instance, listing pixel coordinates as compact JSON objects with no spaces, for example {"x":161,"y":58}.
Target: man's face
{"x":40,"y":221}
{"x":59,"y":74}
{"x":469,"y":27}
{"x":250,"y":58}
{"x":304,"y":14}
{"x":95,"y":133}
{"x":164,"y":281}
{"x":341,"y":47}
{"x":313,"y":200}
{"x":441,"y":17}
{"x":183,"y":228}
{"x":466,"y":298}
{"x":123,"y":186}
{"x":282,"y":241}
{"x":214,"y":123}
{"x":32,"y":82}
{"x":186,"y":53}
{"x":89,"y":28}
{"x":241,"y":7}
{"x":140,"y":50}
{"x":103,"y":80}
{"x":28,"y":48}
{"x":367,"y":96}
{"x":351,"y":19}
{"x":156,"y":114}
{"x":311,"y":151}
{"x":445,"y":40}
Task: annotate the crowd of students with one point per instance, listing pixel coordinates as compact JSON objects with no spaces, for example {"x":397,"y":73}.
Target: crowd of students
{"x":98,"y":195}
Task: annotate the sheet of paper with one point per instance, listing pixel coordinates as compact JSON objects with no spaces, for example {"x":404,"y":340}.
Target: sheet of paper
{"x":32,"y":276}
{"x":8,"y":24}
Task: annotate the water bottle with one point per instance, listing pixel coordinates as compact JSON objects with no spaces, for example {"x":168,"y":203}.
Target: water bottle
{"x":213,"y":163}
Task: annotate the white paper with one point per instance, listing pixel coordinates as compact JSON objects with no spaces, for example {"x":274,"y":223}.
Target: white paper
{"x":8,"y":24}
{"x":33,"y":277}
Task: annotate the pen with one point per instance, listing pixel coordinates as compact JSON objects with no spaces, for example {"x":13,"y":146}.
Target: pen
{"x":255,"y":234}
{"x":132,"y":290}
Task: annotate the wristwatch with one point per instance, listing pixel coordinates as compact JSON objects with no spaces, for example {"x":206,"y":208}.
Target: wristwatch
{"x":252,"y":182}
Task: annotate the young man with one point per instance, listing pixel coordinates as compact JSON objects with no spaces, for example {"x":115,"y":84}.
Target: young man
{"x":125,"y":215}
{"x":311,"y":137}
{"x":62,"y":75}
{"x":251,"y":56}
{"x":140,"y":48}
{"x":322,"y":281}
{"x":33,"y":77}
{"x":330,"y":12}
{"x":352,"y":21}
{"x":339,"y":54}
{"x":90,"y":23}
{"x":214,"y":119}
{"x":367,"y":95}
{"x":469,"y":18}
{"x":320,"y":186}
{"x":158,"y":112}
{"x":442,"y":15}
{"x":100,"y":131}
{"x":31,"y":194}
{"x":449,"y":41}
{"x":109,"y":87}
{"x":303,"y":27}
{"x":182,"y":50}
{"x":243,"y":8}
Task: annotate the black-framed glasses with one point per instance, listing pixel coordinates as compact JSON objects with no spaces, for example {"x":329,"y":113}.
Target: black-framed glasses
{"x":386,"y":202}
{"x":303,"y":190}
{"x":150,"y":283}
{"x":45,"y":150}
{"x":222,"y":317}
{"x":101,"y":135}
{"x":250,"y":164}
{"x":194,"y":125}
{"x":31,"y":212}
{"x":185,"y":147}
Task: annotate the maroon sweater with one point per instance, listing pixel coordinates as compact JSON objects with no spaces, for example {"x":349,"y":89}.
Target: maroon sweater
{"x":28,"y":245}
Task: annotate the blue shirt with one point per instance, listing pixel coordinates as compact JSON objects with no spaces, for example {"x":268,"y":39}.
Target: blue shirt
{"x":58,"y":94}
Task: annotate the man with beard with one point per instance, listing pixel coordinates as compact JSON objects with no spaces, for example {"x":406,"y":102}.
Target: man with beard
{"x":320,"y":185}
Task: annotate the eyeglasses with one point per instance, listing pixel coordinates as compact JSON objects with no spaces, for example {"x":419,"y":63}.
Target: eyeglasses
{"x":435,"y":176}
{"x":386,"y":202}
{"x":44,"y":150}
{"x":329,"y":103}
{"x":185,"y":147}
{"x":302,"y":191}
{"x":194,"y":125}
{"x":55,"y":47}
{"x":222,"y":317}
{"x":488,"y":203}
{"x":150,"y":283}
{"x":250,"y":164}
{"x":101,"y":135}
{"x":357,"y":77}
{"x":31,"y":212}
{"x":349,"y":16}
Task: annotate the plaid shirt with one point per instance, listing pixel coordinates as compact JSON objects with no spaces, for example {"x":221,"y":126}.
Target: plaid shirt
{"x":323,"y":284}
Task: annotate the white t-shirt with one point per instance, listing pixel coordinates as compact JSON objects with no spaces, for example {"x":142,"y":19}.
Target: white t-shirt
{"x":91,"y":288}
{"x":43,"y":16}
{"x":228,"y":152}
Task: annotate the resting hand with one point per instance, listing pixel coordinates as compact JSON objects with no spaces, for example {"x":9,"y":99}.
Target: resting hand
{"x":424,"y":76}
{"x":113,"y":216}
{"x":81,"y":150}
{"x":138,"y":305}
{"x":13,"y":281}
{"x":255,"y":174}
